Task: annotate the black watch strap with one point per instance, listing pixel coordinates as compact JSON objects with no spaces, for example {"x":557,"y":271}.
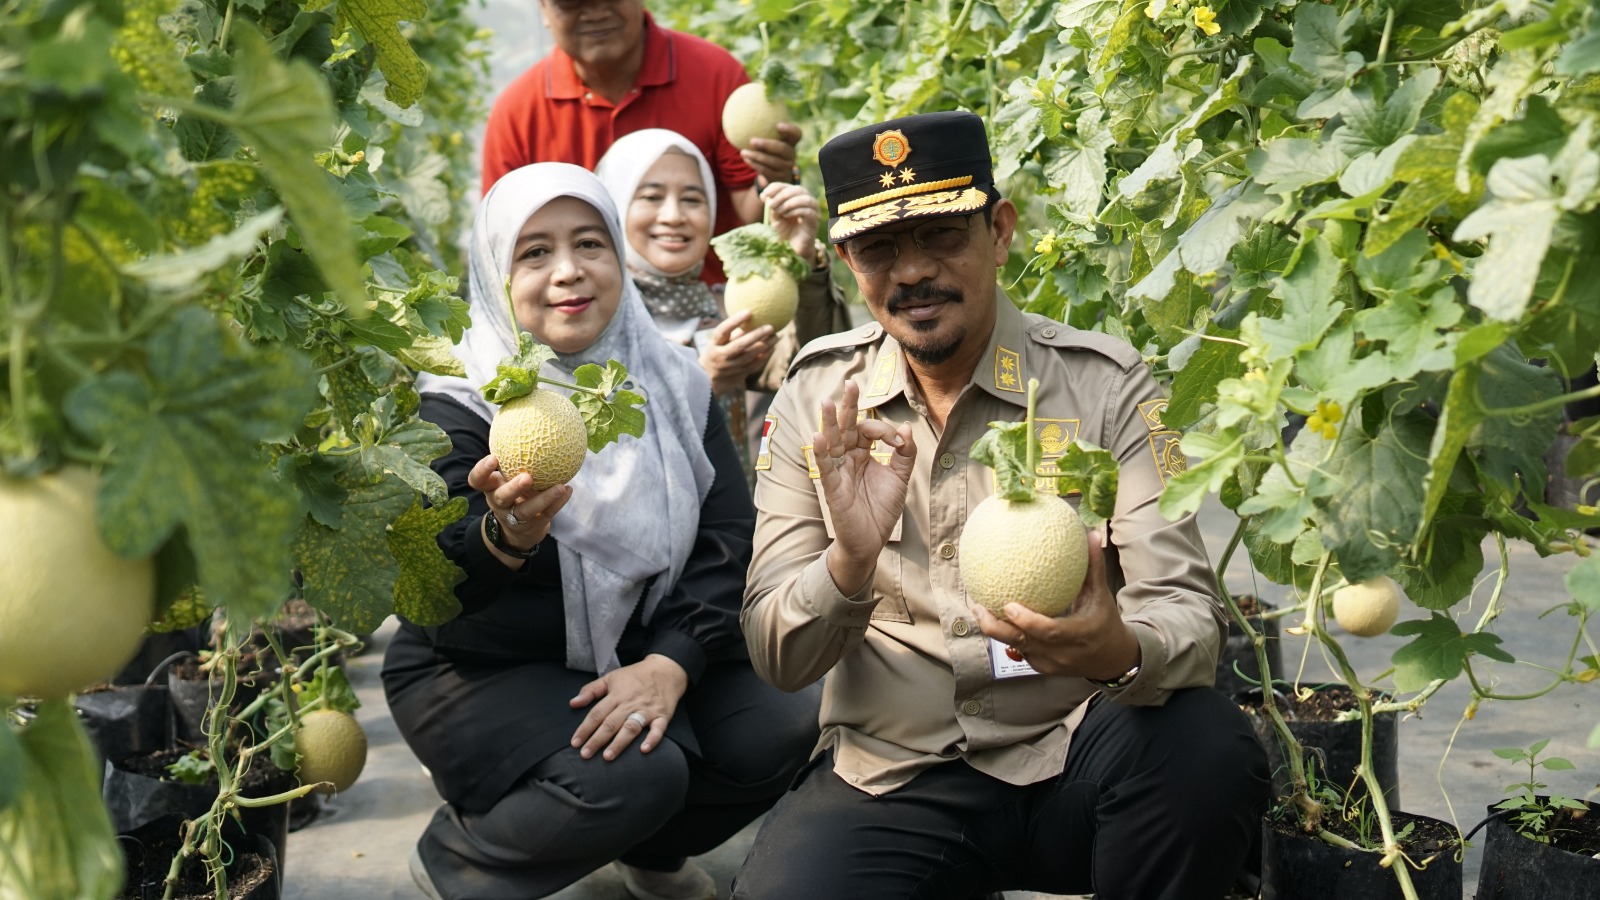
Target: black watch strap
{"x":497,"y":538}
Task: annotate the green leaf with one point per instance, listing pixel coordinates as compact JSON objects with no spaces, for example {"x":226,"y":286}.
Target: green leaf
{"x":1319,"y":40}
{"x":1092,"y":472}
{"x":186,"y":436}
{"x":379,"y":22}
{"x":1286,"y":165}
{"x":1513,"y":446}
{"x":1267,"y":252}
{"x":1376,"y":508}
{"x":1372,"y":125}
{"x":1519,"y":222}
{"x":192,"y":768}
{"x":1309,"y":308}
{"x":1079,"y":168}
{"x":756,"y":251}
{"x":1429,"y":168}
{"x":518,"y":375}
{"x":1580,"y":57}
{"x":1197,"y":383}
{"x":284,"y":113}
{"x":424,"y":591}
{"x":1439,"y":651}
{"x":1583,"y":582}
{"x":57,"y":830}
{"x":333,"y":687}
{"x":612,"y":412}
{"x":1221,"y":454}
{"x":1451,"y":559}
{"x":180,"y":272}
{"x":350,"y":572}
{"x":1004,"y":448}
{"x":1204,"y":247}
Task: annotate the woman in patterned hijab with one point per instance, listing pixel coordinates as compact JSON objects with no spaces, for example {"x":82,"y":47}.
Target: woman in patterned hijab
{"x":663,"y":188}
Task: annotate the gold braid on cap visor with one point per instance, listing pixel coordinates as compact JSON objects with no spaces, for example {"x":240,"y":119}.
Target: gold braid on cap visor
{"x":942,"y":203}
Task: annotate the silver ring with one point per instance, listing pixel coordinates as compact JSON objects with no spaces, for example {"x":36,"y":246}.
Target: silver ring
{"x":511,"y":517}
{"x":637,"y":717}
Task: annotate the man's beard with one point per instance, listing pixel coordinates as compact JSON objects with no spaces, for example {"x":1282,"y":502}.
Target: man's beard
{"x":930,"y":352}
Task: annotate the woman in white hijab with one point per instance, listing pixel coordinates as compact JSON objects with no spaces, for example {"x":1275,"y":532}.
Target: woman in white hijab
{"x":663,"y":187}
{"x":593,"y":702}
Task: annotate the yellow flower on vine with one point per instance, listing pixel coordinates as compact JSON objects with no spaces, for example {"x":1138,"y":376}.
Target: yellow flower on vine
{"x":1046,"y":243}
{"x":1206,"y":20}
{"x":1323,"y":420}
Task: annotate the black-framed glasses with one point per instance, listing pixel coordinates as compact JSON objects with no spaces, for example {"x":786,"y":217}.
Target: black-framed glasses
{"x":939,"y":238}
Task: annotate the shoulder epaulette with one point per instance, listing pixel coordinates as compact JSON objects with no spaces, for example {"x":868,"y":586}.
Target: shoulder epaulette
{"x":1054,"y":334}
{"x":835,"y":343}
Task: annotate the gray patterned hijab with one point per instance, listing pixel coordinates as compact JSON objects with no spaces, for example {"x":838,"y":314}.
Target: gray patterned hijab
{"x":626,"y":534}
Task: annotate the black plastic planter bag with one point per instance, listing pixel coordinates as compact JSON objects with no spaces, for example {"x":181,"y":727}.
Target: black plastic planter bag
{"x":149,"y":850}
{"x":122,"y":721}
{"x":1238,"y":649}
{"x":1339,"y":744}
{"x":1305,"y":867}
{"x":1517,"y":868}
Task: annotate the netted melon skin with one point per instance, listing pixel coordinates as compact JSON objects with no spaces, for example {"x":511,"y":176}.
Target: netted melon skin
{"x":771,"y":300}
{"x":1033,"y":553}
{"x":333,"y":748}
{"x":749,"y":114}
{"x":541,"y":434}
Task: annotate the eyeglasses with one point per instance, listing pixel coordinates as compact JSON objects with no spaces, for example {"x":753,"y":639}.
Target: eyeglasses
{"x":876,"y":251}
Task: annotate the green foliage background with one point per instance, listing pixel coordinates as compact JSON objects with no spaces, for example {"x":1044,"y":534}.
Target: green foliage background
{"x":228,"y":239}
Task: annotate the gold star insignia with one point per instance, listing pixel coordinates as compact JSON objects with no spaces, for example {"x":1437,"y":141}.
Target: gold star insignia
{"x":908,"y":176}
{"x":1007,"y":363}
{"x":1007,"y":379}
{"x":886,"y":179}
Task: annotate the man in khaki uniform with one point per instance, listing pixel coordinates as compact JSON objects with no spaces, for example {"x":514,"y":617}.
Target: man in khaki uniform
{"x":961,"y":753}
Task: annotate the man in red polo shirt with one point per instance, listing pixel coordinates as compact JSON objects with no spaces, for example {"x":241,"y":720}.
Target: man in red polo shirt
{"x":614,"y":72}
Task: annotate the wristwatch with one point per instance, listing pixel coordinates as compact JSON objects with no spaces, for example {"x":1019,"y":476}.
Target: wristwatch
{"x":497,"y":539}
{"x":1121,"y":682}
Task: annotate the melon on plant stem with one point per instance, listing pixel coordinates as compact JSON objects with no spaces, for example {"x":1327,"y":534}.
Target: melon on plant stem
{"x":748,"y":113}
{"x":541,"y":433}
{"x":333,"y":749}
{"x":771,"y":299}
{"x":72,"y":612}
{"x":1368,"y":608}
{"x":1030,"y":552}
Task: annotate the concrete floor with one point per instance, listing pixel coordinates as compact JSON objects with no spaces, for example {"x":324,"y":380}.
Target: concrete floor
{"x":357,"y":850}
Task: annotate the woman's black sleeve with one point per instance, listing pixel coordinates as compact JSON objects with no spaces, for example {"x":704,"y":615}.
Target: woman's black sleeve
{"x":462,"y":541}
{"x":698,"y":619}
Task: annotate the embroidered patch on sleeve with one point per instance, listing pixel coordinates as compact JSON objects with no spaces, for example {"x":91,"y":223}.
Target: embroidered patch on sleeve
{"x":1151,"y":411}
{"x":1008,"y":370}
{"x":764,"y":449}
{"x":1170,"y":461}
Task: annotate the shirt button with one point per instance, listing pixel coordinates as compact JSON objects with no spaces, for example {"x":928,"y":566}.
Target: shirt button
{"x":1048,"y":332}
{"x":947,"y":551}
{"x":866,"y":332}
{"x":947,"y":460}
{"x":972,"y":707}
{"x":960,"y":627}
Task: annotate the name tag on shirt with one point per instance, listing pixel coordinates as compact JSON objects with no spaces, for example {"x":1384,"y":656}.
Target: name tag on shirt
{"x":1007,"y":663}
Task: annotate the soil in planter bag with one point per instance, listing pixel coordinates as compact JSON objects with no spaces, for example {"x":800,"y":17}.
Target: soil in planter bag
{"x":253,"y":875}
{"x":1339,"y":742}
{"x":1519,"y":868}
{"x":136,"y":795}
{"x":1298,"y":866}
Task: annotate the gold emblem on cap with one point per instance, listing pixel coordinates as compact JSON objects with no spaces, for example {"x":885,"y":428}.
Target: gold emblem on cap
{"x":891,"y":148}
{"x":1150,"y":411}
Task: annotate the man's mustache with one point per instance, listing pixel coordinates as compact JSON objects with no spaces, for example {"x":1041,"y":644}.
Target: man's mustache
{"x":922,"y":292}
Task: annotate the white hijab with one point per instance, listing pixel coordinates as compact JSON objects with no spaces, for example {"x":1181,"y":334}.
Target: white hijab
{"x":625,"y":165}
{"x":635,"y":508}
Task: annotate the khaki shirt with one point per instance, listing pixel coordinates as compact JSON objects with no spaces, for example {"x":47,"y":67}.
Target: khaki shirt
{"x":909,"y":676}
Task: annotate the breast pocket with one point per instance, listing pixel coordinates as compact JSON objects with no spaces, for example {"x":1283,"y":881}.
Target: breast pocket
{"x":888,"y":587}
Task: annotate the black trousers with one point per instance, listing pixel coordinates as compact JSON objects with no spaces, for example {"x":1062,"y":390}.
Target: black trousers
{"x":1155,"y":802}
{"x":569,"y":815}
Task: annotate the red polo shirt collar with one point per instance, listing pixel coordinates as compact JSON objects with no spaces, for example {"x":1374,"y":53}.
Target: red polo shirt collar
{"x":659,"y":67}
